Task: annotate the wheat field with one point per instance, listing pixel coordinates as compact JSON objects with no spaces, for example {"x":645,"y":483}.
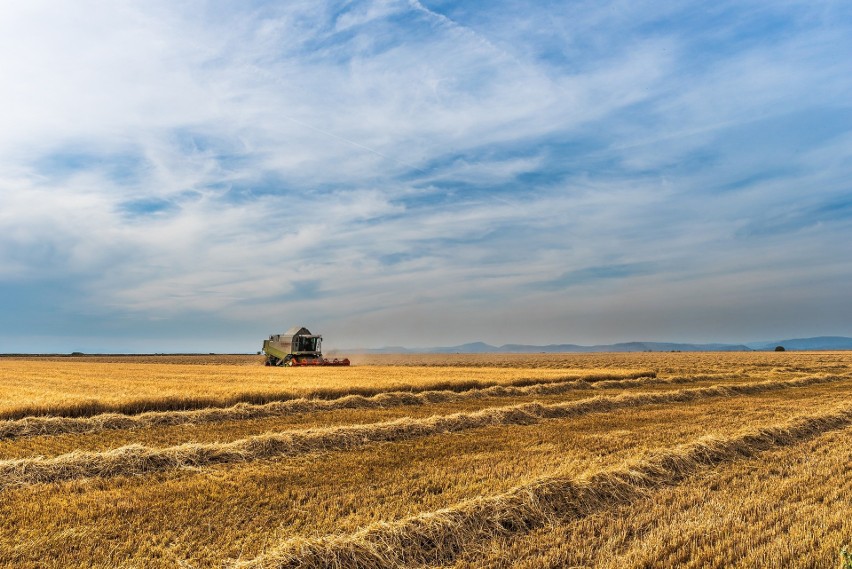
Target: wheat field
{"x":463,"y":461}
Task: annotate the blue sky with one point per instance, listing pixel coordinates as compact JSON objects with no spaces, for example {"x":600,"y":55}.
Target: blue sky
{"x":193,"y":176}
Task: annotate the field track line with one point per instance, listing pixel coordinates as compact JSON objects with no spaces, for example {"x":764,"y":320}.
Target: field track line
{"x":138,"y":459}
{"x":138,"y":406}
{"x":438,"y":537}
{"x":49,"y":426}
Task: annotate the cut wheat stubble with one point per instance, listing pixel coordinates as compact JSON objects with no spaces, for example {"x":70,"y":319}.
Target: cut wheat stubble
{"x":53,"y":425}
{"x":438,"y":537}
{"x":139,"y":459}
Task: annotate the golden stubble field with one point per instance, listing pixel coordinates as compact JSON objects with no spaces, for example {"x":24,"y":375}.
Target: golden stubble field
{"x":587,"y":460}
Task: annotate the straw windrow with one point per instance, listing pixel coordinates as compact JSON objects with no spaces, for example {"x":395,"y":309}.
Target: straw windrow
{"x":90,"y":408}
{"x":438,"y":537}
{"x":138,"y":459}
{"x":41,"y":426}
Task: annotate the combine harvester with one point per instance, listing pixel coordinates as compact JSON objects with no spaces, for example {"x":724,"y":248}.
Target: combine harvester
{"x":297,"y":347}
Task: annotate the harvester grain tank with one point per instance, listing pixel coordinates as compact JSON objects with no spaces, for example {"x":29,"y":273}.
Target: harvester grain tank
{"x":297,"y":347}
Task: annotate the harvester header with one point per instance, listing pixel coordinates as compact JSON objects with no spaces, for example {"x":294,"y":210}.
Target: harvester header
{"x":297,"y":347}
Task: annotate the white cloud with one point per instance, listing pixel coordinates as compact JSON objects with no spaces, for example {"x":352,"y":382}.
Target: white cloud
{"x":408,"y":162}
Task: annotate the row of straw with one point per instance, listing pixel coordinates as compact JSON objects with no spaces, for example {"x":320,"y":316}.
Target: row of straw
{"x":41,"y":425}
{"x":89,"y":408}
{"x":138,"y":459}
{"x":439,"y":537}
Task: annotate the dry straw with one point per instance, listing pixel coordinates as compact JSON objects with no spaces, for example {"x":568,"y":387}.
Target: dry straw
{"x":91,"y":408}
{"x":139,"y":459}
{"x":42,"y":425}
{"x":438,"y":537}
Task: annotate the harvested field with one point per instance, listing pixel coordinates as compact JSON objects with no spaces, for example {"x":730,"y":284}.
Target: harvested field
{"x":595,"y":460}
{"x":72,"y":387}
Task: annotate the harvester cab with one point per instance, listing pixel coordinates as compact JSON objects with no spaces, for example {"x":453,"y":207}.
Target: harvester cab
{"x":297,"y":347}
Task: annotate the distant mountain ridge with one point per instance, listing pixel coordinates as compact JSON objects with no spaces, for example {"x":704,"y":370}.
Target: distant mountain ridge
{"x":817,"y":343}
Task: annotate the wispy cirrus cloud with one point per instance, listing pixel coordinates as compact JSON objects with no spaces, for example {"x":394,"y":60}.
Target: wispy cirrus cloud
{"x":423,"y":172}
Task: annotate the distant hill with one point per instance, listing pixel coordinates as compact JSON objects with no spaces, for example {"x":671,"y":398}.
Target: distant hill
{"x":819,"y":343}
